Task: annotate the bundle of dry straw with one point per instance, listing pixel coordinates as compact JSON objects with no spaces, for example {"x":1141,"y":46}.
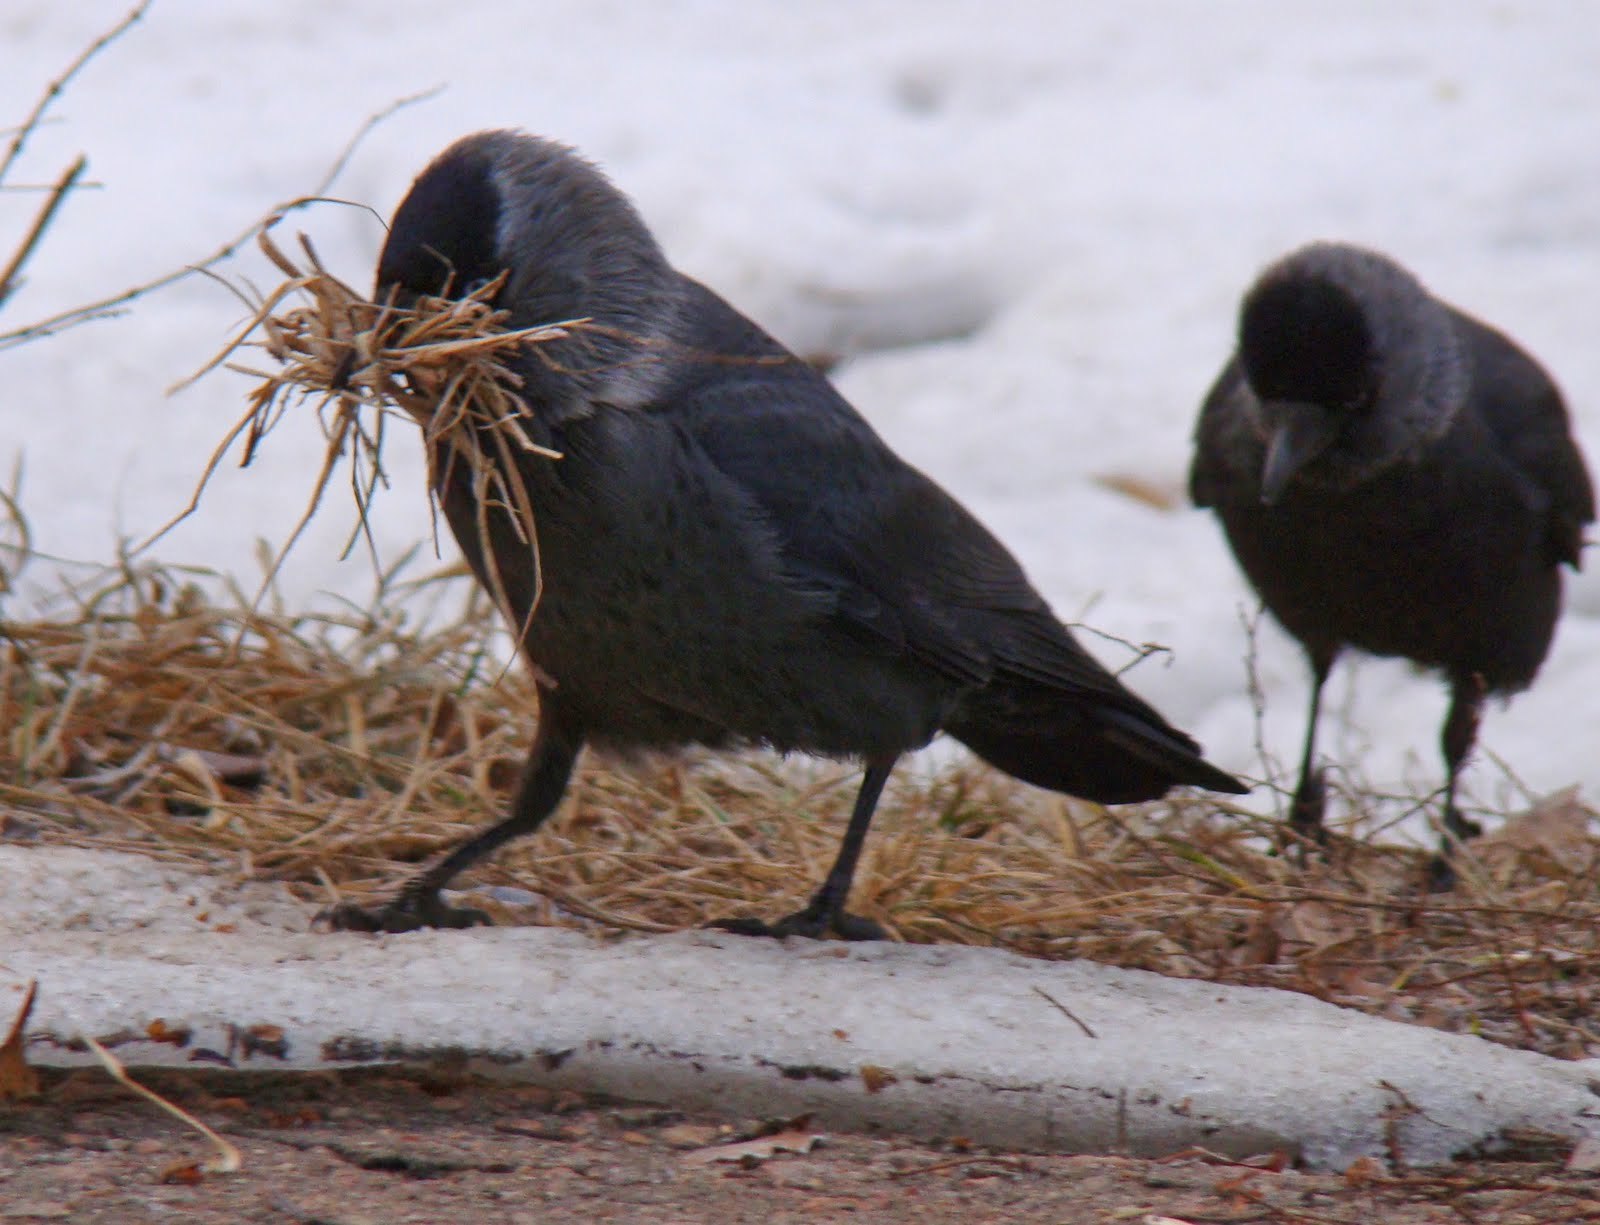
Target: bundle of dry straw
{"x":446,"y":363}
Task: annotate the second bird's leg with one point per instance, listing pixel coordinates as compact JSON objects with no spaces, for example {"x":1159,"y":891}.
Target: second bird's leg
{"x":1310,"y":802}
{"x":826,"y":911}
{"x":1455,"y":741}
{"x":555,"y":749}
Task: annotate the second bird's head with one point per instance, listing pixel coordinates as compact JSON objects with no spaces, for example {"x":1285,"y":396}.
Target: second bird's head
{"x":569,"y":244}
{"x":1352,"y":364}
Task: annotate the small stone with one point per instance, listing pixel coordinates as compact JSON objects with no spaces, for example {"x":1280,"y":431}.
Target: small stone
{"x":691,"y":1135}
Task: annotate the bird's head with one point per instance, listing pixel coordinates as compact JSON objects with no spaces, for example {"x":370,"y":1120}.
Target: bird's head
{"x":570,"y":247}
{"x":1308,"y":355}
{"x":1338,"y":345}
{"x":444,"y":240}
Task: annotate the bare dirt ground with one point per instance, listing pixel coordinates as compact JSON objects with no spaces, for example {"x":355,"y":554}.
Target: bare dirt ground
{"x":393,"y":1146}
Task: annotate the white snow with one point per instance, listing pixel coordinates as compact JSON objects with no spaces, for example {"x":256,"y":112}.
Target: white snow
{"x":1026,"y":225}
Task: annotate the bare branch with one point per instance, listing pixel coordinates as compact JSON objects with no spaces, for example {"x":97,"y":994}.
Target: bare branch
{"x":372,"y":121}
{"x":9,"y":278}
{"x":107,"y":307}
{"x":53,"y":90}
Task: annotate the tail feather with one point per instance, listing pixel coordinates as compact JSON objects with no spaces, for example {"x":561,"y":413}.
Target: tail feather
{"x":1098,"y":753}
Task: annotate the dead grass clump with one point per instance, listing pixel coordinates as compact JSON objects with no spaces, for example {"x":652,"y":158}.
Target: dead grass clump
{"x":445,"y":363}
{"x":155,"y":720}
{"x":335,"y":753}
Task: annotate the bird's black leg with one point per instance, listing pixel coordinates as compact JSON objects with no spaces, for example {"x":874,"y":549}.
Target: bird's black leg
{"x":826,"y":911}
{"x":1456,"y":740}
{"x":544,"y":780}
{"x":1310,"y":802}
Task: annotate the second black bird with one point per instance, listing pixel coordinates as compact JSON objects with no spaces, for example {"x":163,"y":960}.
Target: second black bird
{"x":1394,"y":476}
{"x":729,"y":554}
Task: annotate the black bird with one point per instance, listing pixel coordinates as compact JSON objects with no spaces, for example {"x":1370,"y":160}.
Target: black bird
{"x":729,"y":554}
{"x":1394,"y":476}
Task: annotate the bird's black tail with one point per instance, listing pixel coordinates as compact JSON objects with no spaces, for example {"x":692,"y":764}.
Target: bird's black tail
{"x":1094,"y":751}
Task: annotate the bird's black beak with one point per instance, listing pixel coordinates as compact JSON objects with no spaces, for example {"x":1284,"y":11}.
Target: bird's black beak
{"x":1300,"y":433}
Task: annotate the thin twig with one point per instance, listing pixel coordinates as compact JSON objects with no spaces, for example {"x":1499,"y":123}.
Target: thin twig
{"x":226,"y":1159}
{"x":108,"y":307}
{"x":53,"y":90}
{"x":10,"y":278}
{"x":1065,"y":1011}
{"x":365,"y":130}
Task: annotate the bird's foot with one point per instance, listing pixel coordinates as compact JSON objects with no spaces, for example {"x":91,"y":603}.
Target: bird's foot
{"x":813,"y":922}
{"x":1304,"y":830}
{"x":1309,"y":807}
{"x":1442,"y":875}
{"x":407,"y":912}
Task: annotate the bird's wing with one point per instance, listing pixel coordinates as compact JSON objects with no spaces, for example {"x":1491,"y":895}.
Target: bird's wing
{"x":912,"y":569}
{"x":1526,"y":414}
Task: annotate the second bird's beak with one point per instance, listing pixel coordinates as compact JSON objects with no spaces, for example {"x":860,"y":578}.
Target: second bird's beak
{"x":1300,"y":433}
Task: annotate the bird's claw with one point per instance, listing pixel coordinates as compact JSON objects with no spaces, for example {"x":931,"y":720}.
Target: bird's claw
{"x":812,"y":923}
{"x":1441,"y":874}
{"x":1459,"y":828}
{"x":1310,"y":806}
{"x":408,"y":912}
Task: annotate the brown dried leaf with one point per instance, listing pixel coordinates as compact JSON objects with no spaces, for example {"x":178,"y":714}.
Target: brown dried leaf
{"x":1363,"y":1171}
{"x":1154,"y":493}
{"x":1314,"y":926}
{"x":690,"y":1135}
{"x":1263,"y":939}
{"x":877,"y":1079}
{"x":1556,"y":827}
{"x":159,"y":1031}
{"x":260,"y":1039}
{"x":17,"y":1080}
{"x":1585,"y":1158}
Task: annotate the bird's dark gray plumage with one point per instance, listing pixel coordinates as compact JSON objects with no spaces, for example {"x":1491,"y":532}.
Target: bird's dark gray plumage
{"x":1394,"y":476}
{"x":729,"y":553}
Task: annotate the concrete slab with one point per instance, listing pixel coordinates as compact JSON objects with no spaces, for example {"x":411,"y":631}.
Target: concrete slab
{"x":931,"y":1041}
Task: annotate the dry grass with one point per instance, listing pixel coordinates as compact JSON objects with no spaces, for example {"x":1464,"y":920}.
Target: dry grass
{"x":444,"y":363}
{"x":335,"y":753}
